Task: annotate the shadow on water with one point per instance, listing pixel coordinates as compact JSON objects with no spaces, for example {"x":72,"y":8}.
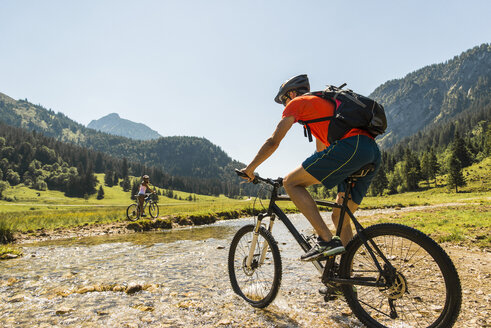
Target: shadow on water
{"x":146,"y":238}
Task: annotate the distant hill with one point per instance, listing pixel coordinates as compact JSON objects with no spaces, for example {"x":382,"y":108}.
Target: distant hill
{"x":113,"y":124}
{"x":201,"y":166}
{"x":435,"y":93}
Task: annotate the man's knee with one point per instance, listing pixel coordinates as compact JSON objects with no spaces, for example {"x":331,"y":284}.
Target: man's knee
{"x":299,"y":178}
{"x":288,"y":182}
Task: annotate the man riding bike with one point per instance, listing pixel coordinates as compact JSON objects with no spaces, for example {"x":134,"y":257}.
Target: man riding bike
{"x":330,"y":165}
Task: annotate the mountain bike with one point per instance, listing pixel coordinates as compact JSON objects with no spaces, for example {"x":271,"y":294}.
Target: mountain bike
{"x":133,"y":213}
{"x":391,"y":275}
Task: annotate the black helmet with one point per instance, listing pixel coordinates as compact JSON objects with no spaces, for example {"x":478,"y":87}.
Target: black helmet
{"x":298,"y":83}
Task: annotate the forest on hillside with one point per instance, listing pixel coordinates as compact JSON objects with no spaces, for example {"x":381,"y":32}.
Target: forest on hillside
{"x":42,"y":162}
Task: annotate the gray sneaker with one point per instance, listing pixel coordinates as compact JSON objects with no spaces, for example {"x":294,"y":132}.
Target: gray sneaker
{"x":324,"y":248}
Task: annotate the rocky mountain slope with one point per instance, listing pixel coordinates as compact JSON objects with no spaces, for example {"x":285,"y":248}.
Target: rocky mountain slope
{"x":434,"y":93}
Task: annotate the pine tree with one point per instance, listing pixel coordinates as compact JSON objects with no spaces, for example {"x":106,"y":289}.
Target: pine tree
{"x":425,"y":168}
{"x":109,"y":178}
{"x":455,"y":177}
{"x":169,"y":194}
{"x":116,"y":179}
{"x":459,"y":149}
{"x":134,"y":188}
{"x":434,"y":166}
{"x":89,"y":180}
{"x":379,"y":182}
{"x":411,"y":171}
{"x":126,"y":184}
{"x":124,"y":169}
{"x":99,"y":163}
{"x":100,"y":193}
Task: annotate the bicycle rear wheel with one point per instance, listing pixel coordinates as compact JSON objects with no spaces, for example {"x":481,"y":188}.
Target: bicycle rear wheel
{"x":258,"y":283}
{"x":424,"y":291}
{"x":132,"y":212}
{"x":153,"y":209}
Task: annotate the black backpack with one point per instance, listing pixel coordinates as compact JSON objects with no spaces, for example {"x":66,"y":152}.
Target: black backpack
{"x":354,"y":111}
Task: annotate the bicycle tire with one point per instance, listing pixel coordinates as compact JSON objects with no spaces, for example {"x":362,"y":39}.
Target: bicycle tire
{"x":259,"y":285}
{"x":153,"y":210}
{"x":132,"y":212}
{"x":420,"y":299}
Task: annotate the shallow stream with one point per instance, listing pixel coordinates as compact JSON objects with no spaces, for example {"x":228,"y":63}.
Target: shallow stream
{"x":184,"y":277}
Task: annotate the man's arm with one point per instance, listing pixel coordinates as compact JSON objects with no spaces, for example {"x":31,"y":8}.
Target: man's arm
{"x":270,"y":145}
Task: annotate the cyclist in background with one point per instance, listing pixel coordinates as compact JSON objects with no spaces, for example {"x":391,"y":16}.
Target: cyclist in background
{"x":330,"y":165}
{"x":144,"y":188}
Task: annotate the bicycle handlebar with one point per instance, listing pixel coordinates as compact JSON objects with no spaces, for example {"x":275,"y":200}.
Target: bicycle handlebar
{"x":275,"y":183}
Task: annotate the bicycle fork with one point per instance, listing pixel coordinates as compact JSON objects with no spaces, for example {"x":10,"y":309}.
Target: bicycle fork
{"x":255,"y":238}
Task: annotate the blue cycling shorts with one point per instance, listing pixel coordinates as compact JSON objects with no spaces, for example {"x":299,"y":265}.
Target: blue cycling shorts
{"x":343,"y":158}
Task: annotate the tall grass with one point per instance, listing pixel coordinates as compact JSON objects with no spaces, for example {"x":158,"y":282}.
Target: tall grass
{"x":30,"y":221}
{"x":6,"y":233}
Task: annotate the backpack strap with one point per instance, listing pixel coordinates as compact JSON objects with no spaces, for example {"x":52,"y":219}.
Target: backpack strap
{"x":306,"y":128}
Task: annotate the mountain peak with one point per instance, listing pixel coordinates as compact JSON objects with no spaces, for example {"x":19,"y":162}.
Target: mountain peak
{"x":112,"y":116}
{"x":114,"y":124}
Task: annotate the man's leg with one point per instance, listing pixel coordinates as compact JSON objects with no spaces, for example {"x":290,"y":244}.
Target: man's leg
{"x":295,"y":184}
{"x":346,"y":232}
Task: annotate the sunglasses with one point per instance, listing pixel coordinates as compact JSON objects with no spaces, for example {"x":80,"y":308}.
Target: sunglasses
{"x":284,"y":99}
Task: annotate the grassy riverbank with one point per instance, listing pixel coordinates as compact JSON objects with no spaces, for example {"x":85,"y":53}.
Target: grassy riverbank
{"x":466,"y":225}
{"x":31,"y":211}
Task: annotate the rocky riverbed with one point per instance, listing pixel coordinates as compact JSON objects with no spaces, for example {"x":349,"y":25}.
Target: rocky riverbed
{"x":178,"y":278}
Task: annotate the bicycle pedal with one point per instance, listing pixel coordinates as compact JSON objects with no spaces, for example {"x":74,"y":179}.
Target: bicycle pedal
{"x":325,"y":258}
{"x":328,"y":298}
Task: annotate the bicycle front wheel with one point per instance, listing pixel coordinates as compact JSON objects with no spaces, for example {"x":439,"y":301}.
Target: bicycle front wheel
{"x":423,"y":291}
{"x":153,"y":209}
{"x":259,"y":282}
{"x":132,"y":212}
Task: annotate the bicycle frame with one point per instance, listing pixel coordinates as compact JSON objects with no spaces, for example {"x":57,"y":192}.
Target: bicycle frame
{"x":274,"y":210}
{"x":146,"y":201}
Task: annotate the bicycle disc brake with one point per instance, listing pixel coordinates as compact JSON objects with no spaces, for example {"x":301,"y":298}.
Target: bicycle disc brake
{"x":395,"y":289}
{"x":249,"y":271}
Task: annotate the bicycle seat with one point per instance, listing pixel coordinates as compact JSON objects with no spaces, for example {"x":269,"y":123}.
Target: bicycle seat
{"x":363,"y":171}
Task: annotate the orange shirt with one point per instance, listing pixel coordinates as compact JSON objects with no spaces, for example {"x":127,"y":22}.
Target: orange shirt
{"x":306,"y":108}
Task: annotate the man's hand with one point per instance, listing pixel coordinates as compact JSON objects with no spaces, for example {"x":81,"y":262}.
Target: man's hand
{"x":249,"y":173}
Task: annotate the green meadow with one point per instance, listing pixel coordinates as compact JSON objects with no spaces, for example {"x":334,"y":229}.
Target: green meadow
{"x":33,"y":210}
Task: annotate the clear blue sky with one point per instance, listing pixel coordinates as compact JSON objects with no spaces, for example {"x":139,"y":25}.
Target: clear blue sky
{"x":211,"y":68}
